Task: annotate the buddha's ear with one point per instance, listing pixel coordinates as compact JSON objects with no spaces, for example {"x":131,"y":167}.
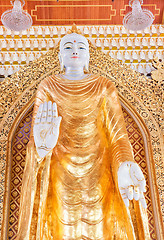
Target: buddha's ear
{"x":86,"y":65}
{"x":61,"y":61}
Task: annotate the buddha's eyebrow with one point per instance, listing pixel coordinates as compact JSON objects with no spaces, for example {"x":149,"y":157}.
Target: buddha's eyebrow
{"x":67,"y":42}
{"x":82,"y":43}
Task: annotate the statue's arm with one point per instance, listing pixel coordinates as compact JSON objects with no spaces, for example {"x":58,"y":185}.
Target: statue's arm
{"x":32,"y":165}
{"x":118,"y":140}
{"x":127,"y":173}
{"x":46,"y":123}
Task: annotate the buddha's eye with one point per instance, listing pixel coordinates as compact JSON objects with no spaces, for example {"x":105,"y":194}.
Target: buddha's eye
{"x":82,"y":48}
{"x":67,"y":48}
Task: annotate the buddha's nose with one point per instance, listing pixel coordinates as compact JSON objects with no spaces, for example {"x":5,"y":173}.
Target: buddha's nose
{"x":75,"y":50}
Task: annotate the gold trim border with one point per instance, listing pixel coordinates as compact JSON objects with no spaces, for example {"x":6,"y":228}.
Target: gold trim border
{"x":72,"y":6}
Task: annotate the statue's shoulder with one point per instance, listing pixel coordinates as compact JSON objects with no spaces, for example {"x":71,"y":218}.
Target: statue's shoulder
{"x":47,"y":81}
{"x":106,"y":82}
{"x":109,"y":88}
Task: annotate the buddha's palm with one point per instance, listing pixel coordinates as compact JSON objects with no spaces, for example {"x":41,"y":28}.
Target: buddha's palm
{"x":46,"y":128}
{"x":131,"y":183}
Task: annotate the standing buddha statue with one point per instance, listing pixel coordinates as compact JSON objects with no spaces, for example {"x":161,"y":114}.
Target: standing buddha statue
{"x":80,"y":172}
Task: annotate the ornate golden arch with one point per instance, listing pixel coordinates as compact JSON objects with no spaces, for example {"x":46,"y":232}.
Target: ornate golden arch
{"x":140,"y":96}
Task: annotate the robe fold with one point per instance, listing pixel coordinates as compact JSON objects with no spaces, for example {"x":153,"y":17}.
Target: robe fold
{"x":72,"y":193}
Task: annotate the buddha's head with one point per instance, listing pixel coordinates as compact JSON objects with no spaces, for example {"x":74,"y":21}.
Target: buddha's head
{"x":74,"y":51}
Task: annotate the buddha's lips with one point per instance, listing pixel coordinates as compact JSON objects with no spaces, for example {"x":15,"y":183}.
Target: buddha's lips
{"x":74,"y":57}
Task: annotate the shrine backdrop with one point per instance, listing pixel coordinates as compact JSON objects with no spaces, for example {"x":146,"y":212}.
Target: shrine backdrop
{"x":139,"y":95}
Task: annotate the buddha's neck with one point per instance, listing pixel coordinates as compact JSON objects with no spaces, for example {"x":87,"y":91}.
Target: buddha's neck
{"x":74,"y":73}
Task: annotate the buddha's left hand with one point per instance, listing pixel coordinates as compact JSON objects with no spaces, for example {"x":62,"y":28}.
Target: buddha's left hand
{"x":131,"y":183}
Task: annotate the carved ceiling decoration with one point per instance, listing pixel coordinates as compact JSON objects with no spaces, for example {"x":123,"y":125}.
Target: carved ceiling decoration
{"x":93,"y":12}
{"x":139,"y":18}
{"x":16,"y":19}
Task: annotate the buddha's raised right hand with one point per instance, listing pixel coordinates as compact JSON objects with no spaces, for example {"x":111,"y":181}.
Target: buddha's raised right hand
{"x":46,"y":128}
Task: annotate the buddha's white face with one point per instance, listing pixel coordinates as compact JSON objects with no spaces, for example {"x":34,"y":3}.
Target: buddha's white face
{"x":74,"y":51}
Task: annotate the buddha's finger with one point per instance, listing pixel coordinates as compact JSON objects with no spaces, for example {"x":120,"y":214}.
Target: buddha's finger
{"x":54,"y":110}
{"x":44,"y":113}
{"x":136,"y":173}
{"x":136,"y":193}
{"x":142,"y":185}
{"x":56,"y":124}
{"x":142,"y":200}
{"x":123,"y":193}
{"x":124,"y":196}
{"x":130,"y":192}
{"x":39,"y":113}
{"x":49,"y":114}
{"x":126,"y":201}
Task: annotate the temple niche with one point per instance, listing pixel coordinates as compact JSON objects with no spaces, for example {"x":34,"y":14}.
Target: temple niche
{"x":140,"y":91}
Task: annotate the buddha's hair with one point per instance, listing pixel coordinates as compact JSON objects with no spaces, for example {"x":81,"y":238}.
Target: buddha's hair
{"x":73,"y":35}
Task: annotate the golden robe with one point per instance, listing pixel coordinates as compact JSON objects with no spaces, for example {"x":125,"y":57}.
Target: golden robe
{"x":73,"y":192}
